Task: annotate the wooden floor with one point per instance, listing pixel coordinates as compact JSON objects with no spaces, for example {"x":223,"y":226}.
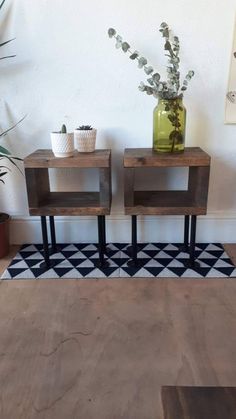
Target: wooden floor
{"x":103,"y":349}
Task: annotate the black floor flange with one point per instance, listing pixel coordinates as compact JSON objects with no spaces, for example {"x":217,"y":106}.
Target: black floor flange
{"x":52,"y":249}
{"x":134,"y":263}
{"x":192,"y":265}
{"x":43,"y":265}
{"x":100,"y":265}
{"x":129,"y":249}
{"x":184,"y":248}
{"x":107,"y":250}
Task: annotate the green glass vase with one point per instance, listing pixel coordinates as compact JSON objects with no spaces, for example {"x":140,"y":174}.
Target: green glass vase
{"x":169,"y":121}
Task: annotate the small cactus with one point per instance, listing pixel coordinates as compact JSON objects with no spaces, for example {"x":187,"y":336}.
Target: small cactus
{"x":63,"y":129}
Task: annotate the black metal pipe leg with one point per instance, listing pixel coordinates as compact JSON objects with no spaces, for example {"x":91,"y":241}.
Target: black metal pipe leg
{"x":192,"y":262}
{"x":134,"y":238}
{"x":186,"y":232}
{"x":192,"y":240}
{"x":134,"y":247}
{"x":101,"y":263}
{"x":104,"y":233}
{"x":185,"y":247}
{"x":45,"y":242}
{"x":54,"y":247}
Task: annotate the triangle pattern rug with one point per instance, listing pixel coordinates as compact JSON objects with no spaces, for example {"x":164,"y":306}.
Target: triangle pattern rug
{"x":156,"y":260}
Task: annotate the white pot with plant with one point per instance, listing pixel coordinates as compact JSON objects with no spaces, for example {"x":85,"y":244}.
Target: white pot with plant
{"x":85,"y":138}
{"x":62,"y":143}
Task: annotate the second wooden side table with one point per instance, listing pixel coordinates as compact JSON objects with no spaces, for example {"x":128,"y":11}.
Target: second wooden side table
{"x":191,"y":202}
{"x":44,"y":202}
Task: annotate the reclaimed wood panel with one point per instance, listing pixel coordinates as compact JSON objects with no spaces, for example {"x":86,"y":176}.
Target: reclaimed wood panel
{"x":199,"y":402}
{"x":46,"y":158}
{"x":37,"y":184}
{"x":129,"y":176}
{"x":105,"y":187}
{"x":70,"y":203}
{"x":103,"y":349}
{"x":147,"y":157}
{"x":198,"y":184}
{"x":164,"y":203}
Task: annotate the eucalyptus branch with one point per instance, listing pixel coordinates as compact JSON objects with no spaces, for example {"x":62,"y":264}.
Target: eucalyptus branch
{"x":169,"y":89}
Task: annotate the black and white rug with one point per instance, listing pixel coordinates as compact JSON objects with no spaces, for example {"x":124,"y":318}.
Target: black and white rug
{"x":157,"y":260}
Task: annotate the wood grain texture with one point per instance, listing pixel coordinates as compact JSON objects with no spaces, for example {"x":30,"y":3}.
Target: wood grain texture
{"x":199,"y":402}
{"x":71,"y":203}
{"x":43,"y":202}
{"x":163,"y":203}
{"x":128,"y":188}
{"x":37,"y":184}
{"x":105,"y":193}
{"x":198,"y":185}
{"x":46,"y":158}
{"x":103,"y":349}
{"x":147,"y":157}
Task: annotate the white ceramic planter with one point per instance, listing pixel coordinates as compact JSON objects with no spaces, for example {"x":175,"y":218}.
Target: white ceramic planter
{"x":85,"y":140}
{"x":62,"y":144}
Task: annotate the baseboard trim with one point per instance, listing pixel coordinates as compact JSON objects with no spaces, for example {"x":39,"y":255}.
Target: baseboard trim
{"x":214,"y":227}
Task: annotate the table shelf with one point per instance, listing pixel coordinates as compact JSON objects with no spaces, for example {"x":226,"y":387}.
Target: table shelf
{"x":70,"y":203}
{"x":164,"y":203}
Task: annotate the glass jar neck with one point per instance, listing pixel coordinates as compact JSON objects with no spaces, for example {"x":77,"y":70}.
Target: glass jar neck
{"x":178,"y":100}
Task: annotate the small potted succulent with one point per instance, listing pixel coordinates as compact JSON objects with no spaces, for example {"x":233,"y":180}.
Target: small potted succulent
{"x":85,"y":138}
{"x":62,"y":143}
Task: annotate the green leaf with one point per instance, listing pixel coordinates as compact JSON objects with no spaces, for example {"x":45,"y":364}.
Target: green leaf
{"x":183,"y":88}
{"x":142,"y":62}
{"x":13,"y":126}
{"x":166,"y":33}
{"x":118,"y":44}
{"x":164,"y":25}
{"x":7,"y":42}
{"x":7,"y":56}
{"x":167,"y":46}
{"x":111,"y":32}
{"x":134,"y":55}
{"x":156,"y":77}
{"x":4,"y":151}
{"x":125,"y":46}
{"x":191,"y":73}
{"x":150,"y":81}
{"x":3,"y":1}
{"x":142,"y":87}
{"x":3,"y":174}
{"x":148,"y":70}
{"x":12,"y":162}
{"x":149,"y":90}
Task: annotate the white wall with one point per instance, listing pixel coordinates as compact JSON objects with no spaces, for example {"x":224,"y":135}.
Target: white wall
{"x":68,"y":70}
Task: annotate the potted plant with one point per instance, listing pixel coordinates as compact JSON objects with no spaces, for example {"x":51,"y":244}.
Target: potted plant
{"x":5,"y":154}
{"x":62,"y":143}
{"x":85,"y":138}
{"x":169,"y":116}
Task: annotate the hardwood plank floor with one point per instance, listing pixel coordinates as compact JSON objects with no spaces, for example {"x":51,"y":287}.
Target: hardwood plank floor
{"x":103,"y":349}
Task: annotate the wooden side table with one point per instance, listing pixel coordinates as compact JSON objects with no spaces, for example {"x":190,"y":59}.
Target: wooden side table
{"x":44,"y":202}
{"x":191,"y":202}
